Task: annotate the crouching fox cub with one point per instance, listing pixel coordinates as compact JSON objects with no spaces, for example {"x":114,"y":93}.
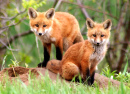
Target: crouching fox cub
{"x":82,"y":58}
{"x":59,"y":28}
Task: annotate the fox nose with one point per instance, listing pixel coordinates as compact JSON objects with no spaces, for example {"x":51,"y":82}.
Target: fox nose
{"x":98,"y":43}
{"x":40,"y":34}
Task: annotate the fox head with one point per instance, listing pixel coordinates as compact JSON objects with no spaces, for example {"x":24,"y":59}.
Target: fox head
{"x":41,"y":22}
{"x":98,"y":33}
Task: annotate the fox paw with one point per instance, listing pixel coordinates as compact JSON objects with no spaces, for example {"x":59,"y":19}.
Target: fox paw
{"x":43,"y":64}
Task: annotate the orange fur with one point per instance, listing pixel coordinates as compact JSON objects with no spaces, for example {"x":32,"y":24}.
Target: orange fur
{"x":82,"y":58}
{"x":62,"y":29}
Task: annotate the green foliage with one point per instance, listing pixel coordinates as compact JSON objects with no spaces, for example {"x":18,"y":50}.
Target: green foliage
{"x":24,"y":57}
{"x":107,"y":72}
{"x":122,"y":76}
{"x":33,"y":3}
{"x":14,"y":63}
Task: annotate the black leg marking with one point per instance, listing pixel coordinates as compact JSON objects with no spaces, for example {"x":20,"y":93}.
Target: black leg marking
{"x":88,"y":76}
{"x":58,"y":53}
{"x":46,"y":58}
{"x":92,"y":78}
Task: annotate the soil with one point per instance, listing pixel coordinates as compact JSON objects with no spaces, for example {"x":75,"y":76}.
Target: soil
{"x":23,"y":73}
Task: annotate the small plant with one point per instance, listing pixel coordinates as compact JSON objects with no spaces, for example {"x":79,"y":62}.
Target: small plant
{"x":14,"y":63}
{"x":26,"y":65}
{"x":107,"y":72}
{"x":124,"y":76}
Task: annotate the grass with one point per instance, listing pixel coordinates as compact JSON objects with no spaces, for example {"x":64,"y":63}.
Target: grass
{"x":122,"y":76}
{"x":46,"y":86}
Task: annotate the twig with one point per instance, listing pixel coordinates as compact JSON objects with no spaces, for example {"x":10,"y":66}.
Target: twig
{"x":15,"y":37}
{"x":2,"y":30}
{"x":57,"y":5}
{"x":91,"y":9}
{"x":83,"y":10}
{"x":14,"y":71}
{"x":7,"y":46}
{"x":14,"y":24}
{"x":54,"y":5}
{"x":10,"y":18}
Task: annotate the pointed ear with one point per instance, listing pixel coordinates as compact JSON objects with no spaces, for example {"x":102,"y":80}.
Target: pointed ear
{"x":107,"y":24}
{"x":90,"y":23}
{"x":32,"y":13}
{"x":50,"y":13}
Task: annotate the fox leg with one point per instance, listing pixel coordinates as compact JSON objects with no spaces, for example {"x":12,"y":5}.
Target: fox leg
{"x":92,"y":73}
{"x":59,"y":49}
{"x":92,"y":77}
{"x":69,"y":70}
{"x":86,"y":71}
{"x":47,"y":50}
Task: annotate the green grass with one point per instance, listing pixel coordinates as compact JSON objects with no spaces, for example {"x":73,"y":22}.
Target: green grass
{"x":46,"y":86}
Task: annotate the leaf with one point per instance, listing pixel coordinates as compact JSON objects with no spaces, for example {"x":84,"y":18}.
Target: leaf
{"x":26,"y":65}
{"x":3,"y":63}
{"x":126,"y":66}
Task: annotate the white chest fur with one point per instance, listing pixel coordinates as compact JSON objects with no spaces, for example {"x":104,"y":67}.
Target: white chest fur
{"x":98,"y":54}
{"x":46,"y":38}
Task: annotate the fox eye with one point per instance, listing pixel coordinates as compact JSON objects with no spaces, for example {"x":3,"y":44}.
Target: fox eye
{"x":44,"y":25}
{"x":102,"y":35}
{"x":36,"y":25}
{"x":94,"y":35}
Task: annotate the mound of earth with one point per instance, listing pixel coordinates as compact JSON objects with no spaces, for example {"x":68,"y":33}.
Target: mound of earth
{"x":23,"y":74}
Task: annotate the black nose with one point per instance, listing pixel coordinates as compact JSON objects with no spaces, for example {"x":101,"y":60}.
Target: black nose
{"x":98,"y":44}
{"x":40,"y":34}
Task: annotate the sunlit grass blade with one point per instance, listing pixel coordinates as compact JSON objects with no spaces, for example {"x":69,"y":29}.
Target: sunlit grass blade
{"x":3,"y":63}
{"x":126,"y":66}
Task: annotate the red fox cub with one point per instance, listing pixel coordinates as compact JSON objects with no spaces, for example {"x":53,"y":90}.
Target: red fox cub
{"x":59,"y":28}
{"x":82,"y":58}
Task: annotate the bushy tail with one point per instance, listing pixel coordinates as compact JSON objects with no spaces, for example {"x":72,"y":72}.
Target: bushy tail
{"x":53,"y":66}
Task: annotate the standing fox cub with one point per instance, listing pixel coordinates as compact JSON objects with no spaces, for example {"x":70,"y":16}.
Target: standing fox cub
{"x":82,"y":58}
{"x":59,"y":28}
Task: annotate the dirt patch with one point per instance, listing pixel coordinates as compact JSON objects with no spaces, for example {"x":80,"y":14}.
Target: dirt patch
{"x":103,"y":81}
{"x":18,"y":72}
{"x":23,"y":74}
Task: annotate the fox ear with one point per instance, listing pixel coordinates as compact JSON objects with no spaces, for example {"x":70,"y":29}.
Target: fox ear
{"x":107,"y":24}
{"x":90,"y":23}
{"x":50,"y":13}
{"x":32,"y":13}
